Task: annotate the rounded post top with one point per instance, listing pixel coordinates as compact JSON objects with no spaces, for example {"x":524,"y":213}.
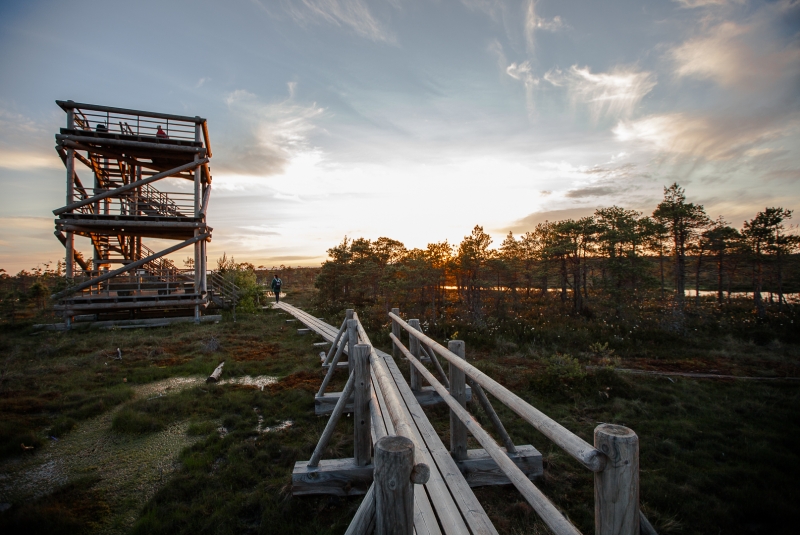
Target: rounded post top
{"x":458,"y":347}
{"x":617,"y":431}
{"x":394,"y":444}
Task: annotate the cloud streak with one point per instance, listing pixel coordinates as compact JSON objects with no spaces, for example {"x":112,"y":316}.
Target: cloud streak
{"x":535,"y":23}
{"x":354,"y":15}
{"x":713,"y":138}
{"x":524,"y":74}
{"x":743,"y":56}
{"x":273,"y":134}
{"x":610,"y":94}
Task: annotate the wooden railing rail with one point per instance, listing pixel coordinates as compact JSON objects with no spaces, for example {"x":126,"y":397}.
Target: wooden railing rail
{"x":578,"y":448}
{"x":397,"y":411}
{"x":546,"y":510}
{"x":67,"y":105}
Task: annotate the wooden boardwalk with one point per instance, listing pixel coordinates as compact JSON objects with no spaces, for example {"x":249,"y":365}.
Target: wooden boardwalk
{"x":448,"y":505}
{"x":387,"y":410}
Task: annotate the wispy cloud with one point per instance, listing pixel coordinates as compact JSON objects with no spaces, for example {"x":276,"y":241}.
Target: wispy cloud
{"x":496,"y":49}
{"x":713,"y":138}
{"x":201,"y":82}
{"x":706,"y":3}
{"x":25,"y":160}
{"x":535,"y":23}
{"x":530,"y":221}
{"x":605,"y":180}
{"x":272,"y":134}
{"x":352,"y":14}
{"x":494,"y":8}
{"x":524,"y":74}
{"x":749,"y":55}
{"x":612,"y":94}
{"x":24,"y":143}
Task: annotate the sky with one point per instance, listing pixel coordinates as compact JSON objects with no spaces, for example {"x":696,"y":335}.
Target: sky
{"x":412,"y":119}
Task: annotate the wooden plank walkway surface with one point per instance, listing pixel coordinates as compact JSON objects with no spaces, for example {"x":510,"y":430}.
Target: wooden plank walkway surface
{"x":447,"y":504}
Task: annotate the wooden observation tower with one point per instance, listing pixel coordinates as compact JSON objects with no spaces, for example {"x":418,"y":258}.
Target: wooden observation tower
{"x":146,"y":183}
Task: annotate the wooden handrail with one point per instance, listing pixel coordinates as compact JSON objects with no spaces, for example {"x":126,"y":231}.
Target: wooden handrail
{"x":402,"y":424}
{"x":543,"y":507}
{"x":67,"y":105}
{"x":578,"y":448}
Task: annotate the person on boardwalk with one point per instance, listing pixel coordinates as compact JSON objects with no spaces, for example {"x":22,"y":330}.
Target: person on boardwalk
{"x":276,"y":287}
{"x":161,"y":134}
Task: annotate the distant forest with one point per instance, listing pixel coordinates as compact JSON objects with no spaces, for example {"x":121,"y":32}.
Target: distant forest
{"x":614,"y":261}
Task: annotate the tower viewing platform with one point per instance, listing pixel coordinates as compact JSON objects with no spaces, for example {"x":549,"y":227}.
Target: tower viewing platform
{"x":146,"y":182}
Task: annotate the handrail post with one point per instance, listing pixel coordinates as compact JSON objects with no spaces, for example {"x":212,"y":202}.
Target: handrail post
{"x":413,"y":346}
{"x":352,"y":340}
{"x":394,"y":491}
{"x":616,"y":488}
{"x":458,"y":389}
{"x":362,"y":437}
{"x":396,"y":332}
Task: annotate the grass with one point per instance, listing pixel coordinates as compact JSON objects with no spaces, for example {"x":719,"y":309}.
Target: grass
{"x":71,"y":509}
{"x":716,"y":456}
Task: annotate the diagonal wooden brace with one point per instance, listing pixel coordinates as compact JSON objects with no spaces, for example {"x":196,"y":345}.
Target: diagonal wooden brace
{"x":129,"y":267}
{"x":132,"y":185}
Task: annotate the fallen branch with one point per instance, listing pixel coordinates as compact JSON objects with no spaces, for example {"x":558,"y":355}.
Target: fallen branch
{"x":215,"y":375}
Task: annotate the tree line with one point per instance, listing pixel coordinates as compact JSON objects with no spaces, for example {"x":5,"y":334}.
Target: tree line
{"x":613,"y":257}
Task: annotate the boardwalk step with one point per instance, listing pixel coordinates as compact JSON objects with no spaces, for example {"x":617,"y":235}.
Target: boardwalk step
{"x":341,"y":477}
{"x":339,"y":366}
{"x":325,"y":404}
{"x":480,"y":470}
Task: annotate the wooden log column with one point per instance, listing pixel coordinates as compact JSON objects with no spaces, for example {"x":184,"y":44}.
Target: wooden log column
{"x":616,"y":488}
{"x":413,"y":346}
{"x":362,"y":437}
{"x":69,"y":260}
{"x":458,"y":389}
{"x":352,"y":340}
{"x":198,"y":263}
{"x":396,"y":332}
{"x":394,"y":492}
